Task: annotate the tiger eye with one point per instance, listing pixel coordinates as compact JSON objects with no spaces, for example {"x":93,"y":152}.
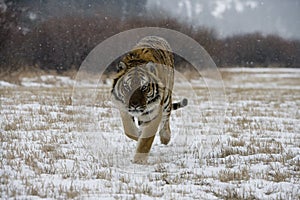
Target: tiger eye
{"x":146,"y":87}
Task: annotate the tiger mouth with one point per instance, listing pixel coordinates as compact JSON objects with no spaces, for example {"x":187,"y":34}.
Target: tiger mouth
{"x":140,"y":112}
{"x":136,"y":111}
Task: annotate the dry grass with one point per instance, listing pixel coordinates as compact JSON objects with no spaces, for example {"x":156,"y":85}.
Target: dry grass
{"x":43,"y":155}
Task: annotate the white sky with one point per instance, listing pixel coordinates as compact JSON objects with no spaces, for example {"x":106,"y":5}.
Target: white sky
{"x":237,"y":16}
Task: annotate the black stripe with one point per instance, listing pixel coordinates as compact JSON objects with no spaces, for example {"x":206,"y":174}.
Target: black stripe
{"x":167,"y":108}
{"x":167,"y":99}
{"x":175,"y":106}
{"x":155,"y":94}
{"x":157,"y":59}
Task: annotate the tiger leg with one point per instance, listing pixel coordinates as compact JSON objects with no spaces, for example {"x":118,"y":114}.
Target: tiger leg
{"x":146,"y":139}
{"x":130,"y":128}
{"x":165,"y":131}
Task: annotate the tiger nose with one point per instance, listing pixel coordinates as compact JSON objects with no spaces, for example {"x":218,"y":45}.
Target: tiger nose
{"x":136,"y":99}
{"x":134,"y":102}
{"x":134,"y":105}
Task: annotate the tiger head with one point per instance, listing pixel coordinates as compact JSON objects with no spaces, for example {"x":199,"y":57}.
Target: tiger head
{"x":137,"y":91}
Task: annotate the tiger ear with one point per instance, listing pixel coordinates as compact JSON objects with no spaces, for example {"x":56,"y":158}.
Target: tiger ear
{"x":151,"y":67}
{"x":121,"y":66}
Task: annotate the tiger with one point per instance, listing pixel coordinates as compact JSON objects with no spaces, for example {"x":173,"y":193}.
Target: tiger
{"x":142,"y":91}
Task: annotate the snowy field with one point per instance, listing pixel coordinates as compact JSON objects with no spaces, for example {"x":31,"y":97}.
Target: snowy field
{"x":52,"y":148}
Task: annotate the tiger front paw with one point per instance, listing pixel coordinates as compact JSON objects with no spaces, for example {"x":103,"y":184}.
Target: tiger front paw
{"x":141,"y":158}
{"x":165,"y":137}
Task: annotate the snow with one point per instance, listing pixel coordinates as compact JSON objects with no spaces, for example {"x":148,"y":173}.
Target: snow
{"x":48,"y":81}
{"x":6,"y":84}
{"x":51,"y":148}
{"x":261,"y":70}
{"x":273,"y":78}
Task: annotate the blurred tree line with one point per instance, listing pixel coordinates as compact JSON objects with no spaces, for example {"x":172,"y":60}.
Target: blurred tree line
{"x":62,"y":42}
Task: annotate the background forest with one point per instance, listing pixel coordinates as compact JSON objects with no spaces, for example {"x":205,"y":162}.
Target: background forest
{"x":59,"y":34}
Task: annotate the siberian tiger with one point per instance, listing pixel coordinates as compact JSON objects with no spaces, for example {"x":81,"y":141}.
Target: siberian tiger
{"x":142,"y":91}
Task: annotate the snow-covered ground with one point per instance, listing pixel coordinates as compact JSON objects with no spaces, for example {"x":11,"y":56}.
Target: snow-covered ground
{"x":54,"y":148}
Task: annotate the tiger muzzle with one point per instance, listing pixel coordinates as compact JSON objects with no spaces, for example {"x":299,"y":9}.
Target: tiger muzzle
{"x":137,"y":101}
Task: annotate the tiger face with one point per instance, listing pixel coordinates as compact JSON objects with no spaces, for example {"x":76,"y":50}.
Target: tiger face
{"x":139,"y":90}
